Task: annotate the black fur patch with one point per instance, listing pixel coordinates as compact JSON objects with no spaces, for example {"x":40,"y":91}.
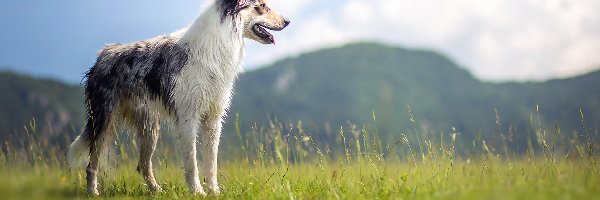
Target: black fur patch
{"x":230,"y":8}
{"x":145,"y":69}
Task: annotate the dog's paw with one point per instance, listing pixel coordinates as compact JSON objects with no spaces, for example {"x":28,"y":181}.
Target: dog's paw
{"x":93,"y":192}
{"x":199,"y":193}
{"x":214,"y":189}
{"x":156,"y":189}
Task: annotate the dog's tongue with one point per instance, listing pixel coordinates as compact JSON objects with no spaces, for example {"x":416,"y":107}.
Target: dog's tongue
{"x":273,"y":39}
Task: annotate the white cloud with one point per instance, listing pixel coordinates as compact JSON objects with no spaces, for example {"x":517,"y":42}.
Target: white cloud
{"x":495,"y":39}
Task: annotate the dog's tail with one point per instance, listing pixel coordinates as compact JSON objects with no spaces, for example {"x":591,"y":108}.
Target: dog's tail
{"x":78,"y":153}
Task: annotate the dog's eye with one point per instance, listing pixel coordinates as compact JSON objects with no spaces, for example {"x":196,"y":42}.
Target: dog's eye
{"x":258,"y":9}
{"x":264,"y":7}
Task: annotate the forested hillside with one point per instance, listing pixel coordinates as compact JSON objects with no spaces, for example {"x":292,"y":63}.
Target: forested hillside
{"x":327,"y":89}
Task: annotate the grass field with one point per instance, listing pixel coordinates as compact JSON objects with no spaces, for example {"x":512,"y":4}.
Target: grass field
{"x":463,"y":180}
{"x":273,"y":163}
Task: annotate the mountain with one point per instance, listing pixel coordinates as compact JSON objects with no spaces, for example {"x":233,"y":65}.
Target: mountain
{"x":328,"y":88}
{"x":349,"y":83}
{"x":50,"y":107}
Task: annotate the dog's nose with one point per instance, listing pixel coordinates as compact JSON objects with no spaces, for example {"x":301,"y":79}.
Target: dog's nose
{"x":286,"y":22}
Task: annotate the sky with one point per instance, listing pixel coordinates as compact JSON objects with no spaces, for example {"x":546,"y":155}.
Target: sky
{"x":496,"y":40}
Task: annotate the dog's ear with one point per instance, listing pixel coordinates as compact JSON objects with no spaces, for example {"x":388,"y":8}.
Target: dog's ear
{"x":242,"y":3}
{"x":232,"y":7}
{"x":236,"y":5}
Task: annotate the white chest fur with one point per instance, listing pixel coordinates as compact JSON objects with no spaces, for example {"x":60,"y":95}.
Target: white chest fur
{"x":205,"y":84}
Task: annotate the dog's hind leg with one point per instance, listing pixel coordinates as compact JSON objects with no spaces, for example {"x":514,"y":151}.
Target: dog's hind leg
{"x":98,"y":135}
{"x":97,"y":147}
{"x":148,"y":131}
{"x":92,"y":171}
{"x":187,"y":128}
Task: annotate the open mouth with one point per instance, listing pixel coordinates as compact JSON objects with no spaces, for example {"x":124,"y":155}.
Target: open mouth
{"x":261,"y":31}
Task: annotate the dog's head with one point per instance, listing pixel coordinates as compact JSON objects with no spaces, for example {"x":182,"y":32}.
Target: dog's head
{"x":257,"y":18}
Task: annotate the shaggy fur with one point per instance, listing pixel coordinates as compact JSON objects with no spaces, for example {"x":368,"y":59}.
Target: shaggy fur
{"x":187,"y":76}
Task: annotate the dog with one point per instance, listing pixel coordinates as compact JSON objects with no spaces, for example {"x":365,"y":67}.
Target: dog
{"x":186,"y":77}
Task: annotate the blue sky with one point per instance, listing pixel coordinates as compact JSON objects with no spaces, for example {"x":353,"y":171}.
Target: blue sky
{"x":496,"y":40}
{"x":60,"y":38}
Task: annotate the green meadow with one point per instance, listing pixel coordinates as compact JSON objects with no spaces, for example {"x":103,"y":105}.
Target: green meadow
{"x":282,"y":161}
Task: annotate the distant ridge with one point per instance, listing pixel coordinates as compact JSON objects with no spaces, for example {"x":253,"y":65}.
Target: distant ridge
{"x":348,"y":83}
{"x":55,"y":108}
{"x":328,"y":88}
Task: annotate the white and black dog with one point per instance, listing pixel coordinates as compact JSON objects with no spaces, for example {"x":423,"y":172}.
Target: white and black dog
{"x":187,"y":77}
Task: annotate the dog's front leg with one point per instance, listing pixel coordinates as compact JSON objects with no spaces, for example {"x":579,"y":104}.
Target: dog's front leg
{"x":188,"y":129}
{"x":211,"y":133}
